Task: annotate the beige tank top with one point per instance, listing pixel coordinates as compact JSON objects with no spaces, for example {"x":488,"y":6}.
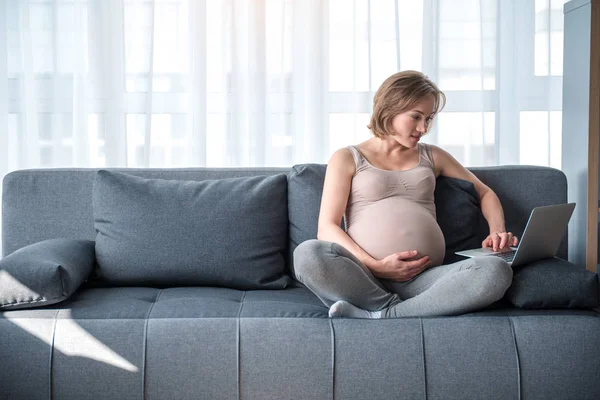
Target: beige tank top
{"x":392,"y":211}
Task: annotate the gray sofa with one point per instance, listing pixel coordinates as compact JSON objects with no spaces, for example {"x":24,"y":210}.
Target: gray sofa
{"x":169,"y":340}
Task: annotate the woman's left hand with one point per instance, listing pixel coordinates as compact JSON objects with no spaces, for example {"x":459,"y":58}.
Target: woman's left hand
{"x":500,"y":240}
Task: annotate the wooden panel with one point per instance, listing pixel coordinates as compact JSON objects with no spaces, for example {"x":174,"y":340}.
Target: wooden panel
{"x":593,"y":140}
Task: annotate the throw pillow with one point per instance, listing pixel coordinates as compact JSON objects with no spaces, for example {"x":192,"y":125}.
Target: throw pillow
{"x":227,"y":232}
{"x":459,"y":216}
{"x":44,"y":273}
{"x":553,"y":283}
{"x":305,"y":188}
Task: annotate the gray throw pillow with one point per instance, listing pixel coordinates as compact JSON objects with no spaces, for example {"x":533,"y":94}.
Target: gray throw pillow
{"x":459,"y":216}
{"x":553,"y":283}
{"x":44,"y":273}
{"x":305,"y":188}
{"x":226,"y":232}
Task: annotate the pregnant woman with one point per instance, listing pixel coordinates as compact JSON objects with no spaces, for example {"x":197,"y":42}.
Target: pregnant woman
{"x":388,"y":262}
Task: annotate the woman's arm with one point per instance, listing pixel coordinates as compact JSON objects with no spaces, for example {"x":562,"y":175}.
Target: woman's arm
{"x":446,"y":165}
{"x":336,"y":189}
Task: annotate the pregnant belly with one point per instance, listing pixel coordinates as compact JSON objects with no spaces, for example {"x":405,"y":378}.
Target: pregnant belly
{"x":387,"y":227}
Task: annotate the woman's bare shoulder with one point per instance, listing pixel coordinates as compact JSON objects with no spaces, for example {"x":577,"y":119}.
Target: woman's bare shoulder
{"x":342,"y":161}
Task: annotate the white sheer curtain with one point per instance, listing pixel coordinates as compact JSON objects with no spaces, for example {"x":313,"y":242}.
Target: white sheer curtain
{"x":176,"y":83}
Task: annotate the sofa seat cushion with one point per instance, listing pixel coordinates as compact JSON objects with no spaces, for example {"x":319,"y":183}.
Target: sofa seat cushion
{"x":214,"y":302}
{"x":189,"y":302}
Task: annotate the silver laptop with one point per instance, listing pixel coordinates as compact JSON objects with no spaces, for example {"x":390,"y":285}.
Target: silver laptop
{"x":541,"y":238}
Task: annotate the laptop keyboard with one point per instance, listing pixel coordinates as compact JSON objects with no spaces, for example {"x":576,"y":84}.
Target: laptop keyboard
{"x":508,"y":256}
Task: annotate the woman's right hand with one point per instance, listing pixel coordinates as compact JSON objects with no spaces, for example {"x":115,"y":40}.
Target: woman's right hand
{"x":401,"y":266}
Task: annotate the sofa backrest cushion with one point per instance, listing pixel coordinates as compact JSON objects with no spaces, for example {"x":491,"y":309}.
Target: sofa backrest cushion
{"x":227,"y":232}
{"x":520,"y":189}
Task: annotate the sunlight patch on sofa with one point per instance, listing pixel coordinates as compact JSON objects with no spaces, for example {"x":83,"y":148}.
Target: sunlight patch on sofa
{"x":8,"y":281}
{"x":80,"y":344}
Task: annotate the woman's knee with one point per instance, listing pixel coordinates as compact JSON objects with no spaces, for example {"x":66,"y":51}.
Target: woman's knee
{"x":309,"y":256}
{"x":500,"y":270}
{"x":497,"y":277}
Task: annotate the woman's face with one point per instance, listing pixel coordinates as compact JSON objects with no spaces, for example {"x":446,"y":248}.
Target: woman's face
{"x":410,"y":125}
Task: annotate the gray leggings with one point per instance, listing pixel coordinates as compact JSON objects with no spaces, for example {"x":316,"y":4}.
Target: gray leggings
{"x":333,"y":273}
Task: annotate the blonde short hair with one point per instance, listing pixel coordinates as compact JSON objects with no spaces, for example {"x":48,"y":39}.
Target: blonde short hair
{"x":399,"y":93}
